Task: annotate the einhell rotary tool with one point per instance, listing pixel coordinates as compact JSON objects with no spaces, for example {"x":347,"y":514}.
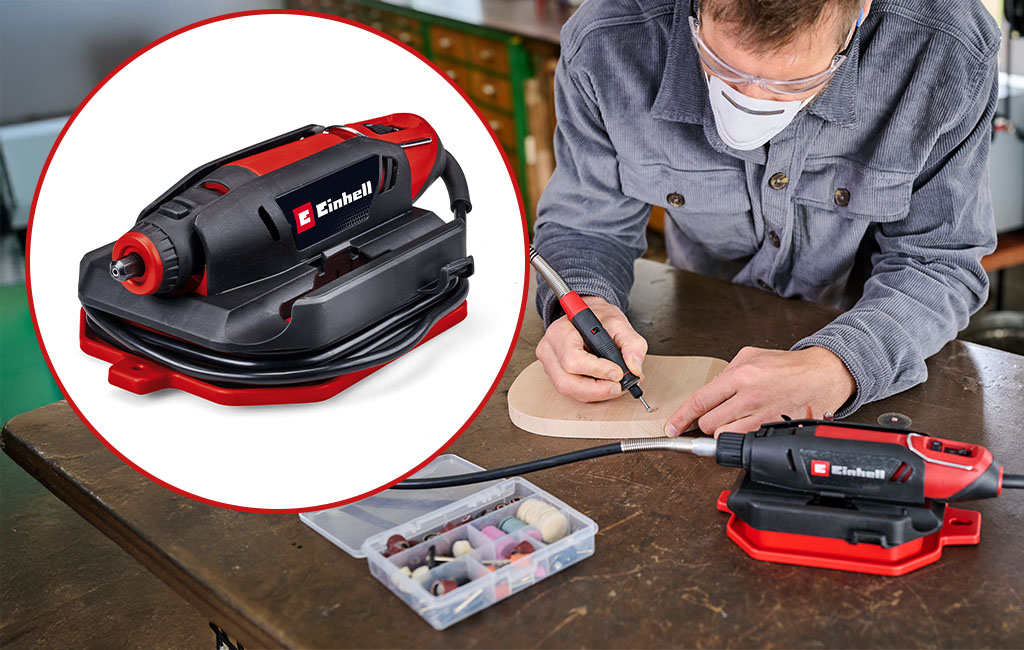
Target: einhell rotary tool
{"x":595,"y":336}
{"x":826,"y":494}
{"x":284,"y":272}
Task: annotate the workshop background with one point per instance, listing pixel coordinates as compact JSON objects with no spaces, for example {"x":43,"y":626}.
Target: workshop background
{"x":65,"y":584}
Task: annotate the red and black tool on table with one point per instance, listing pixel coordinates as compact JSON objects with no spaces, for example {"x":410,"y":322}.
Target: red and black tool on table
{"x":586,"y":323}
{"x":284,"y":272}
{"x":834,"y":495}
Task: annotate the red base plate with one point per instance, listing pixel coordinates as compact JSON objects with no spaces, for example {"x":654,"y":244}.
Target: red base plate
{"x":960,"y":527}
{"x":141,"y":376}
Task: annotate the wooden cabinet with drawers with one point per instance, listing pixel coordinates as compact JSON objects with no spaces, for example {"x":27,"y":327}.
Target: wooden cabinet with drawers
{"x":456,"y":71}
{"x":490,"y":89}
{"x":489,"y":53}
{"x":446,"y":42}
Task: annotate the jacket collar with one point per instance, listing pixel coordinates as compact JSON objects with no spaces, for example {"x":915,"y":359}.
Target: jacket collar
{"x":683,"y":93}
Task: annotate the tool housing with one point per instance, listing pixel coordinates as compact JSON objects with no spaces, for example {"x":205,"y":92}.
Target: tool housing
{"x":277,"y":257}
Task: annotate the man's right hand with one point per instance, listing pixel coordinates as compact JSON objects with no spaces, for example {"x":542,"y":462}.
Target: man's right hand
{"x":579,"y":374}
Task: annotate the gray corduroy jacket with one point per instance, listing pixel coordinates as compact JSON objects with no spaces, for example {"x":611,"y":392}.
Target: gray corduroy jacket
{"x":884,"y":210}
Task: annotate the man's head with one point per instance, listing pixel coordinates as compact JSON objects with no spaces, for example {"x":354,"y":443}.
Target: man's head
{"x":778,"y":39}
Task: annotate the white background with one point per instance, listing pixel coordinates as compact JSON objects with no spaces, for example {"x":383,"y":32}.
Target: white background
{"x":208,"y":92}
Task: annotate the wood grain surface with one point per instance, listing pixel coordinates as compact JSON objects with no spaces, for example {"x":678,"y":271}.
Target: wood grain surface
{"x":535,"y":406}
{"x":663,"y":575}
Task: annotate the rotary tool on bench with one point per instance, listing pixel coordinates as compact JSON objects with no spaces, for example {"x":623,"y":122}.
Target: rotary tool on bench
{"x":284,"y":272}
{"x":827,"y":494}
{"x":595,"y":336}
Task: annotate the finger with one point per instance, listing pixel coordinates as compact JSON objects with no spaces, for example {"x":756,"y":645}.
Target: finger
{"x":700,"y":402}
{"x":575,"y":360}
{"x":742,"y":425}
{"x":583,"y":389}
{"x":632,"y":345}
{"x":734,"y":408}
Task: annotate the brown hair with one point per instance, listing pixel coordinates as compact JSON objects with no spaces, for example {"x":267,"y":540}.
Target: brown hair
{"x":773,"y":24}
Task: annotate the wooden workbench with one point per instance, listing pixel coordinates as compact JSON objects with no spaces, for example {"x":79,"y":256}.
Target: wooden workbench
{"x":664,"y":573}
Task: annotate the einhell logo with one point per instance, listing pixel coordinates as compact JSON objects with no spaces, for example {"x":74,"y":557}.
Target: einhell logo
{"x":304,"y":217}
{"x":324,"y":208}
{"x":820,"y":467}
{"x":825,"y":468}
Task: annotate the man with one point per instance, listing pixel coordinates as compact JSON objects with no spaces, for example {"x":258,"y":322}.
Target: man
{"x":828,"y":150}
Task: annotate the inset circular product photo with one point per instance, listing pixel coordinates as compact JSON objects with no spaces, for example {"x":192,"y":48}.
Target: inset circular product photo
{"x":277,"y":261}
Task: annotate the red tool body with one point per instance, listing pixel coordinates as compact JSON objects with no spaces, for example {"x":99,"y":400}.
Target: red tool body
{"x":286,"y":271}
{"x":173,"y":249}
{"x":853,"y":497}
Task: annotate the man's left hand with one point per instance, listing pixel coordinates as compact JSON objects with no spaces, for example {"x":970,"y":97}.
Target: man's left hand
{"x":760,"y":385}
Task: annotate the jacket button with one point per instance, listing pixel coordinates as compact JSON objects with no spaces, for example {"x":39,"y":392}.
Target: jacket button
{"x":842,"y":197}
{"x":773,"y":238}
{"x":778,"y":181}
{"x":764,"y":285}
{"x":675,"y":199}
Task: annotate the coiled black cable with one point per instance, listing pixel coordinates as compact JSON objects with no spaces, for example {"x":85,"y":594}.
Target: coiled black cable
{"x":385,"y":341}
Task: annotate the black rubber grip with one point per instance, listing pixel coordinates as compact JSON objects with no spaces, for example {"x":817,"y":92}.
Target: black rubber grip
{"x":729,"y":450}
{"x":602,"y":345}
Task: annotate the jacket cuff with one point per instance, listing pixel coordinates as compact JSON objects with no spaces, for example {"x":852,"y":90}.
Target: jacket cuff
{"x":585,"y":285}
{"x":862,"y":358}
{"x":592,"y":265}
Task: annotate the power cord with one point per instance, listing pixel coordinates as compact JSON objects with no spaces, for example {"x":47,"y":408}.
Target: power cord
{"x":385,"y":341}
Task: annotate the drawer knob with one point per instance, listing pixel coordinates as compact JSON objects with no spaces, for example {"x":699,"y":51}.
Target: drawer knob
{"x":495,"y":125}
{"x":489,"y":90}
{"x":486,"y":55}
{"x":444,"y":43}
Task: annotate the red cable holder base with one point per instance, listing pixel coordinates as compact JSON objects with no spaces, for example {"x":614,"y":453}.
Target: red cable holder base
{"x":959,"y":527}
{"x":141,"y":376}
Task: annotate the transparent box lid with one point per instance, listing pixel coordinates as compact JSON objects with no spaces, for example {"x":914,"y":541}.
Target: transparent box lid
{"x":348,"y":526}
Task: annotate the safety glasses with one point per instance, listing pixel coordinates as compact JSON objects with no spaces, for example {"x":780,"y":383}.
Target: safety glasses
{"x":729,"y":74}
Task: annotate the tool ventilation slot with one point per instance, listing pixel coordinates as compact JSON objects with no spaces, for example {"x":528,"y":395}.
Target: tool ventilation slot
{"x":905,"y":475}
{"x":389,"y":174}
{"x":269,"y":223}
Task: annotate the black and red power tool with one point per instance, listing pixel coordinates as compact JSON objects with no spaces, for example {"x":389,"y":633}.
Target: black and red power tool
{"x":818,"y":493}
{"x":284,"y":272}
{"x":854,"y":497}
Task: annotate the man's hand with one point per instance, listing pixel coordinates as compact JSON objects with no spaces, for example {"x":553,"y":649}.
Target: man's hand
{"x":580,"y":374}
{"x":760,"y":385}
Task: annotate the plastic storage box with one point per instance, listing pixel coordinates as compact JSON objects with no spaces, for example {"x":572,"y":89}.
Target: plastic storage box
{"x":362,"y":529}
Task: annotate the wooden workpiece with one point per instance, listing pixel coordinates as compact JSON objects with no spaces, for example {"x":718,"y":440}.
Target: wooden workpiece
{"x":663,"y":575}
{"x":535,"y":406}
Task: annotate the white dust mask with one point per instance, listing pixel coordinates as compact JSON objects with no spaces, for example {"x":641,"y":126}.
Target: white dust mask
{"x":746,"y":122}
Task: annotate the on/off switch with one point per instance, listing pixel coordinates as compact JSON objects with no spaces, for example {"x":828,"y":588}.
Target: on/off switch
{"x":958,"y":451}
{"x":936,"y":445}
{"x":381,"y":129}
